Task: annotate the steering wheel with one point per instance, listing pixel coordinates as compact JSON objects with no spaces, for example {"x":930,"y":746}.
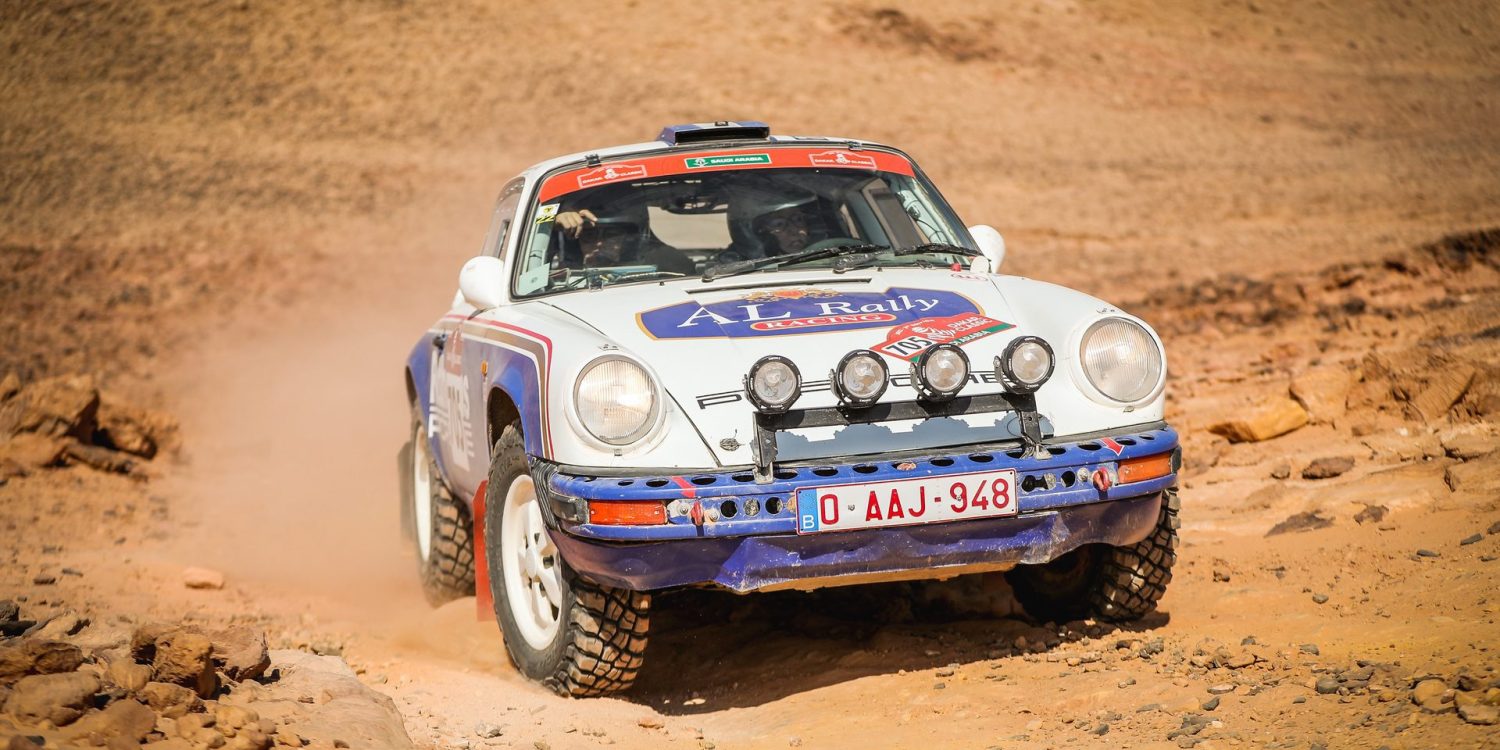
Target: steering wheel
{"x":832,"y":242}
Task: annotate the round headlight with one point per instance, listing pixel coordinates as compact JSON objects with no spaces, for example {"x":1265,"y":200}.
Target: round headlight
{"x":1025,"y":365}
{"x":616,"y":400}
{"x":940,"y":372}
{"x":773,"y":384}
{"x":860,"y":378}
{"x":1121,"y":359}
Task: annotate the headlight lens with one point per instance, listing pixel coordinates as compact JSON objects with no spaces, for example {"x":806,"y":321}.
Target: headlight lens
{"x":941,"y":372}
{"x":616,"y":400}
{"x":1025,"y":365}
{"x":861,"y":378}
{"x":773,"y":384}
{"x":1121,"y":359}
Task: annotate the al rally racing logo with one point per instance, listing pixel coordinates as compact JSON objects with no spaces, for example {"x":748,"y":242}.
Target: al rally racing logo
{"x":783,"y":312}
{"x":908,"y":341}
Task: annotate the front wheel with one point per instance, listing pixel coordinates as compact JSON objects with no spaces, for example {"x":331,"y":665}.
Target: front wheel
{"x":438,"y":522}
{"x":577,"y":637}
{"x":1115,"y":584}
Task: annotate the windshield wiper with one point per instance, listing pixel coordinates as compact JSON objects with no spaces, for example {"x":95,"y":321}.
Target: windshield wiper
{"x":939,"y":248}
{"x":737,"y":267}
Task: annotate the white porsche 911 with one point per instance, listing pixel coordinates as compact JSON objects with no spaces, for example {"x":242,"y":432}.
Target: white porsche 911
{"x":730,"y":359}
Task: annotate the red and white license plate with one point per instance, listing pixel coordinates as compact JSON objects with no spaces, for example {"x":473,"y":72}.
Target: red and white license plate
{"x":903,"y":502}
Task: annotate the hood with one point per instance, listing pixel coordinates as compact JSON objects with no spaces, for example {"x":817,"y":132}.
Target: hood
{"x":702,"y":338}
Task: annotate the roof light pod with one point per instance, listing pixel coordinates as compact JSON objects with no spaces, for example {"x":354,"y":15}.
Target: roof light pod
{"x":940,"y":372}
{"x":773,"y":384}
{"x":860,"y":379}
{"x":1025,"y":365}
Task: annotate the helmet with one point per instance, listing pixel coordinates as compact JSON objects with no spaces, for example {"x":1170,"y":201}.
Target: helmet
{"x":747,"y":207}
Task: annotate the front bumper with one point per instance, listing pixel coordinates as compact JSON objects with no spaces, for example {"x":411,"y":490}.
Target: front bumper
{"x":709,"y":538}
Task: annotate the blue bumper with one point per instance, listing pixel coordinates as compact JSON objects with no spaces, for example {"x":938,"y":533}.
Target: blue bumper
{"x":711,"y":537}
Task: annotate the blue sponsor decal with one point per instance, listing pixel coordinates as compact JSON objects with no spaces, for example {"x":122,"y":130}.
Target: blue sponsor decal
{"x":784,"y":312}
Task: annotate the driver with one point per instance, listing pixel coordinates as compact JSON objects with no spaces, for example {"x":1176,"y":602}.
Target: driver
{"x":621,"y":238}
{"x":762,"y":226}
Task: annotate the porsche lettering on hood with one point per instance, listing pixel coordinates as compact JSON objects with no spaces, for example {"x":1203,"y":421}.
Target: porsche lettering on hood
{"x":784,"y":312}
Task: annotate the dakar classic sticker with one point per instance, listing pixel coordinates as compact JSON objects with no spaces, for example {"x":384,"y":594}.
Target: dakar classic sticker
{"x":784,"y":312}
{"x":842,"y":159}
{"x":610,"y":174}
{"x":908,"y":341}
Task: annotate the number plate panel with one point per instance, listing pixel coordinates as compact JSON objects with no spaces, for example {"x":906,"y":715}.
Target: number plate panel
{"x":907,"y":502}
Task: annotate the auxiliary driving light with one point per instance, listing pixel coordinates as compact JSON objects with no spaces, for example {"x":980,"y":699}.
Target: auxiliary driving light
{"x":940,"y":372}
{"x":1025,"y":365}
{"x":773,"y":384}
{"x":860,"y":378}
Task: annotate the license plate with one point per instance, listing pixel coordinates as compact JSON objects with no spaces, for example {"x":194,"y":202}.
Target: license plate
{"x":905,"y":502}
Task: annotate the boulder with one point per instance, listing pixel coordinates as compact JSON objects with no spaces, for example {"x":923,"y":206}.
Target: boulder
{"x":122,"y":720}
{"x":62,"y":626}
{"x":10,"y":385}
{"x":26,"y":452}
{"x":1263,"y":421}
{"x":128,"y":675}
{"x":171,"y":701}
{"x":1469,"y":445}
{"x":202,"y":578}
{"x":65,"y":406}
{"x":37,"y":657}
{"x":100,"y":458}
{"x":240,"y":652}
{"x":185,"y":658}
{"x":1323,"y":392}
{"x":58,"y":698}
{"x":1328,"y":467}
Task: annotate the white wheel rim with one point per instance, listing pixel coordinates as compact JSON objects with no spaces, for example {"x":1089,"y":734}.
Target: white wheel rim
{"x":421,"y":492}
{"x":528,"y":560}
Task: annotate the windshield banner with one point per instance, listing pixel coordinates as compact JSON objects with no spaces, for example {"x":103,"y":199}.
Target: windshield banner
{"x":785,"y":312}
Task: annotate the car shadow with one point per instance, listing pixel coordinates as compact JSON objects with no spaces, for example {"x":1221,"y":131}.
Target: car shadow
{"x":713,"y":650}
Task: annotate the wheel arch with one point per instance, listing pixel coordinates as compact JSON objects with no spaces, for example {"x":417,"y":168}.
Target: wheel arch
{"x":500,"y":410}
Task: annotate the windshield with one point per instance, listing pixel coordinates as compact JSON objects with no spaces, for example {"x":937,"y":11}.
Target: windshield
{"x":675,"y":216}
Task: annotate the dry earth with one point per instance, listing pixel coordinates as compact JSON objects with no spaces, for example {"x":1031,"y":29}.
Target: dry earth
{"x":238,"y":215}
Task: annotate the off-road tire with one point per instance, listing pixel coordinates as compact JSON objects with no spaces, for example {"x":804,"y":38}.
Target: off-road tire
{"x":1114,"y":584}
{"x":448,"y":571}
{"x":601,"y":641}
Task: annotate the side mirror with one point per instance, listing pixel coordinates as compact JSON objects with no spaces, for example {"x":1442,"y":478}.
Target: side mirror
{"x":482,"y":282}
{"x":991,"y":244}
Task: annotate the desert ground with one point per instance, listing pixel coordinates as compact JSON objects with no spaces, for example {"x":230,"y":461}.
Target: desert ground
{"x":222,"y":225}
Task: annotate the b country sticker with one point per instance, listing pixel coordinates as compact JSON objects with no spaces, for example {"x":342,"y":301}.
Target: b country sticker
{"x":908,"y":341}
{"x":794,"y":311}
{"x":731,"y":160}
{"x":842,"y":159}
{"x":610,"y":174}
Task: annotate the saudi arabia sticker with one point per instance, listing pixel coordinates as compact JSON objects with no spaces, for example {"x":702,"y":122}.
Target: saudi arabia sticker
{"x":729,"y":160}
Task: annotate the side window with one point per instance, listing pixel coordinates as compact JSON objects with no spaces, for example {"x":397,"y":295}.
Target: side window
{"x":502,"y":218}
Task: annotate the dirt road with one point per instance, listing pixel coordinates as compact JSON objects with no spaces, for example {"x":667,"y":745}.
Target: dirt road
{"x":243,"y":214}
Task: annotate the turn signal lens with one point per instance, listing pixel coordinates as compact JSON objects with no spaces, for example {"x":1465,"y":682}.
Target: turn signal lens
{"x":1141,"y":469}
{"x":626,"y":512}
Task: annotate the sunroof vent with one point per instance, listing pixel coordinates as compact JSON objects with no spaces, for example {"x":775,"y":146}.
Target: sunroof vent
{"x":704,"y":132}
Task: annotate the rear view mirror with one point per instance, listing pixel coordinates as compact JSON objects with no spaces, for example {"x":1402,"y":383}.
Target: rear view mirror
{"x":991,"y":244}
{"x":482,"y":282}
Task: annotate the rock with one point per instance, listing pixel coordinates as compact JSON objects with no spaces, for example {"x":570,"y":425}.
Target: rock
{"x":185,"y":658}
{"x":100,"y":458}
{"x":1326,"y":686}
{"x":1428,"y":553}
{"x":124,"y":719}
{"x":43,"y":579}
{"x":134,"y":430}
{"x":1432,"y":393}
{"x":171,"y":701}
{"x":65,"y":406}
{"x":1471,"y":539}
{"x":1371,"y":514}
{"x":1480,"y":476}
{"x":1493,"y":529}
{"x":1281,"y":470}
{"x":1429,"y":695}
{"x":1469,"y":446}
{"x":1221,"y":575}
{"x":1263,"y":421}
{"x":1480,"y":713}
{"x":58,"y":698}
{"x":62,"y":626}
{"x":240,"y":652}
{"x":487,"y":730}
{"x":25,"y":742}
{"x":37,"y":657}
{"x":650,"y":722}
{"x":1221,"y":689}
{"x":1301,"y":522}
{"x":1328,"y":467}
{"x":29,"y":451}
{"x":1320,"y":598}
{"x":202,"y":578}
{"x":1211,"y":703}
{"x":128,"y":675}
{"x":10,"y":385}
{"x":353,"y":713}
{"x":1323,"y":392}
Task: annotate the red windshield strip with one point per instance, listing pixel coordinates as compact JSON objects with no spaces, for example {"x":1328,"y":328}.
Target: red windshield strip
{"x":771,"y":157}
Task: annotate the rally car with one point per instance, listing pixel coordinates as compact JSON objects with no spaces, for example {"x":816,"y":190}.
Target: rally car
{"x":731,"y":359}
